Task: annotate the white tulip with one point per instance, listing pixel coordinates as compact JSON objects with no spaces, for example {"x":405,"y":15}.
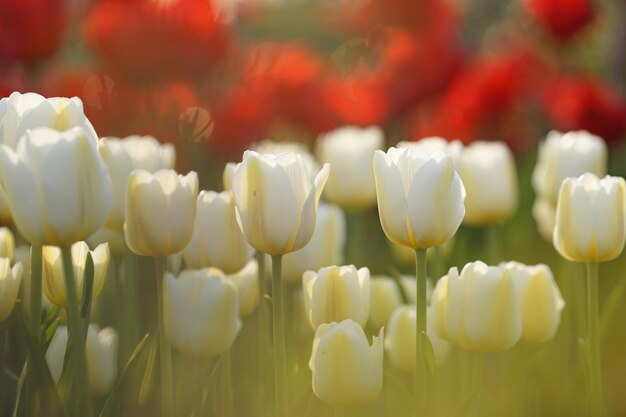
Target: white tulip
{"x":272,"y":147}
{"x":7,"y":243}
{"x":435,"y":144}
{"x":10,"y":279}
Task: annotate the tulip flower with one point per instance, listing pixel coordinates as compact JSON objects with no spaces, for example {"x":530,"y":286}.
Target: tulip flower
{"x":277,"y":200}
{"x":539,"y":300}
{"x":349,"y":151}
{"x":590,"y":218}
{"x":420,"y":198}
{"x":7,"y":243}
{"x":101,"y":357}
{"x":10,"y":279}
{"x":490,"y":179}
{"x":477,"y":310}
{"x":160,"y":210}
{"x":248,"y":289}
{"x":271,"y":147}
{"x":434,"y":144}
{"x":201,"y":312}
{"x":53,"y":276}
{"x":326,"y":246}
{"x":337,"y":293}
{"x":217,"y":239}
{"x":347,"y":371}
{"x":57,"y":184}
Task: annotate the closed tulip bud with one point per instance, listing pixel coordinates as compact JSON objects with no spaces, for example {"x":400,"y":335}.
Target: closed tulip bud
{"x":590,"y":218}
{"x":10,"y":279}
{"x":248,"y":291}
{"x":101,"y":349}
{"x":539,"y":300}
{"x":217,"y":239}
{"x":271,"y":147}
{"x":149,"y":154}
{"x":349,"y":151}
{"x":490,"y":179}
{"x":337,"y":293}
{"x":347,"y":371}
{"x":276,"y":201}
{"x":54,"y":278}
{"x":420,"y":198}
{"x":160,"y":211}
{"x":201,"y":312}
{"x":21,"y":112}
{"x":58,"y":187}
{"x":564,"y":155}
{"x":7,"y":243}
{"x":326,"y":246}
{"x":477,"y":310}
{"x":434,"y":144}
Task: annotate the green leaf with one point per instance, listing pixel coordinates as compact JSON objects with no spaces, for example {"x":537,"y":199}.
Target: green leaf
{"x":428,"y":355}
{"x":149,"y":375}
{"x":110,"y":405}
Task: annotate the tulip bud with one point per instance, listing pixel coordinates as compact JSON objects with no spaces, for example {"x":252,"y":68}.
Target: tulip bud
{"x":53,"y":276}
{"x":201,"y":312}
{"x":347,"y":371}
{"x":10,"y":279}
{"x":420,"y":198}
{"x":148,"y":154}
{"x":101,"y":350}
{"x":7,"y":243}
{"x":477,"y":310}
{"x":58,"y":187}
{"x":490,"y":179}
{"x":432,"y":145}
{"x":336,"y":293}
{"x":271,"y":147}
{"x":217,"y":239}
{"x":326,"y":246}
{"x":590,"y":218}
{"x":277,"y":200}
{"x":248,"y":291}
{"x":349,"y":151}
{"x":160,"y":210}
{"x":539,"y":300}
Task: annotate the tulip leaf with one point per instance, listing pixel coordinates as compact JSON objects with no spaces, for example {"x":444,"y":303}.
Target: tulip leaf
{"x":149,"y":375}
{"x":111,"y":404}
{"x":428,"y":355}
{"x":48,"y":334}
{"x":610,"y":308}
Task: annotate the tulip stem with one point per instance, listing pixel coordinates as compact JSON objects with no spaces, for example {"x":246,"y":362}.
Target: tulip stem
{"x":263,"y":328}
{"x":35,"y":288}
{"x":280,"y":354}
{"x":80,"y":384}
{"x":596,"y":402}
{"x":165,"y":354}
{"x":421,"y":371}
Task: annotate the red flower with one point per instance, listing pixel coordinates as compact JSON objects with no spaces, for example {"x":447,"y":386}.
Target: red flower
{"x":562,"y":18}
{"x":31,"y":30}
{"x":575,"y":103}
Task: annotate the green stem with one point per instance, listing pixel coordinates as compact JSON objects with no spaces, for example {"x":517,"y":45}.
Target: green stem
{"x":280,"y":354}
{"x":262,"y":329}
{"x":35,"y":288}
{"x":493,"y":244}
{"x":596,"y":402}
{"x":165,"y":355}
{"x":77,"y":338}
{"x":421,"y":371}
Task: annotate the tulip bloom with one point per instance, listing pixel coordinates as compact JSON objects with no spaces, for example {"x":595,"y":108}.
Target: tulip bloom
{"x":347,"y":371}
{"x":434,"y":144}
{"x":337,"y":293}
{"x":54,"y":277}
{"x":349,"y":150}
{"x":57,"y":184}
{"x":217,"y":239}
{"x":160,"y":210}
{"x":420,"y":198}
{"x":10,"y":279}
{"x":101,"y":357}
{"x":201,"y":312}
{"x":271,"y":147}
{"x":490,"y":179}
{"x":277,"y":200}
{"x":477,"y":310}
{"x":590,"y":218}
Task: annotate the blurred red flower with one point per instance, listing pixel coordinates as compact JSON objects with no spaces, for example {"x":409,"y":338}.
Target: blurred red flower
{"x":31,"y":30}
{"x":561,"y":18}
{"x":576,"y":102}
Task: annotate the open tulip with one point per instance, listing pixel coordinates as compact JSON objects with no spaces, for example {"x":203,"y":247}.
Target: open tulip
{"x":201,"y":312}
{"x":57,"y":184}
{"x":337,"y":293}
{"x":10,"y":279}
{"x":490,"y":179}
{"x":276,"y":200}
{"x":420,"y":198}
{"x":217,"y":239}
{"x":160,"y":211}
{"x":591,"y":218}
{"x":349,"y":151}
{"x":54,"y":278}
{"x":347,"y":371}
